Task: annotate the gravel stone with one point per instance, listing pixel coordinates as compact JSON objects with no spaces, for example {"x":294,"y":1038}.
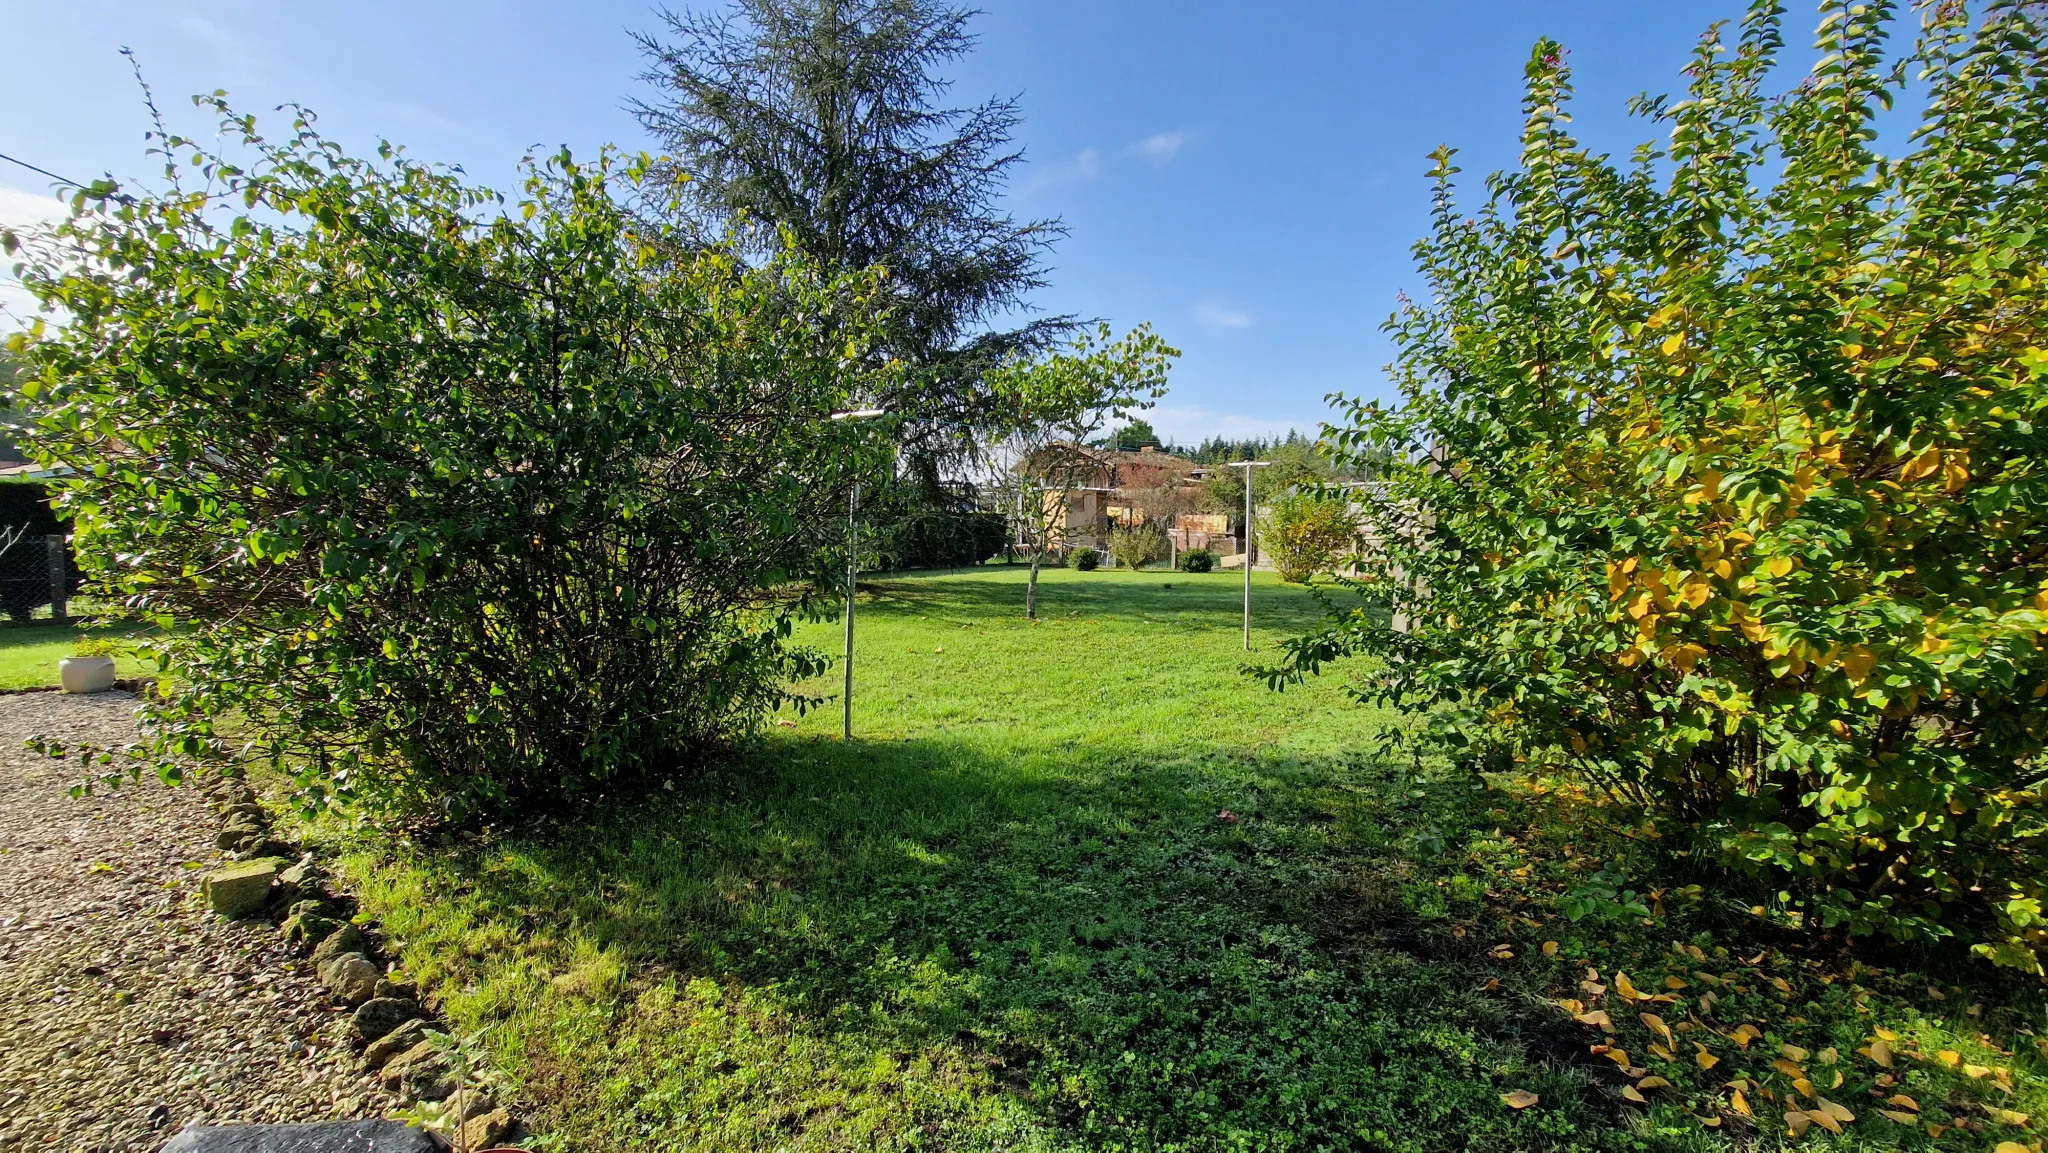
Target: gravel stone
{"x":380,"y":1015}
{"x":424,"y":1072}
{"x":127,"y":1009}
{"x":346,"y":939}
{"x":484,"y":1131}
{"x":393,"y":1043}
{"x":351,"y":978}
{"x":240,"y":889}
{"x":308,"y":928}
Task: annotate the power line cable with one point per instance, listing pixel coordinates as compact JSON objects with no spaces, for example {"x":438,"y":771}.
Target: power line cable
{"x":41,"y":171}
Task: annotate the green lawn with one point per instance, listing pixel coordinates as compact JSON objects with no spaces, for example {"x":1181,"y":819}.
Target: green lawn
{"x":1084,"y":885}
{"x":29,"y":653}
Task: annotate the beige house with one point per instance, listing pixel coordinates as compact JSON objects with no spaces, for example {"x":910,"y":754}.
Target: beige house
{"x":1118,"y":492}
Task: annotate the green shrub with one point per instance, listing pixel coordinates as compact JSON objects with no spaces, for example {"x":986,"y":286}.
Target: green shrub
{"x":1197,"y":560}
{"x":1085,"y":559}
{"x":456,"y":510}
{"x":1138,"y":546}
{"x":1719,"y":478}
{"x":1306,"y":533}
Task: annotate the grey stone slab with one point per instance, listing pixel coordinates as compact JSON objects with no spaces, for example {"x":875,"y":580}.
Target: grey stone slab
{"x":322,"y":1137}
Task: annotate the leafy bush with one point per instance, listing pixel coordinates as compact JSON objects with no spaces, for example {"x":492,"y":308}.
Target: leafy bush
{"x":1306,"y":533}
{"x":1197,"y":560}
{"x":457,"y":510}
{"x":922,"y":537}
{"x":1085,"y":559}
{"x":1718,"y":477}
{"x":1139,"y":545}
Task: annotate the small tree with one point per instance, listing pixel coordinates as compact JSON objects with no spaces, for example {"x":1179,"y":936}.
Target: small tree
{"x":1138,"y":545}
{"x":1055,"y":405}
{"x":1307,"y":533}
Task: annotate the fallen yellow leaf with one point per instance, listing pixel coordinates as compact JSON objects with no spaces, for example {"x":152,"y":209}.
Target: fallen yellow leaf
{"x":1822,"y":1119}
{"x":1838,"y":1112}
{"x":1628,"y":1092}
{"x":1903,"y":1102}
{"x":2018,"y":1120}
{"x":1705,"y":1059}
{"x":1674,"y":984}
{"x":1884,"y":1034}
{"x":1976,"y":1072}
{"x":1787,"y":1068}
{"x":1625,"y":989}
{"x":1571,"y":1005}
{"x":1655,"y":1024}
{"x":1792,"y":1052}
{"x":2011,"y":1147}
{"x":1740,"y":1104}
{"x":1949,"y":1057}
{"x":1897,"y":1117}
{"x":1550,"y":948}
{"x":1744,"y":1034}
{"x":1881,"y":1052}
{"x":1595,"y":1017}
{"x":1519,"y":1099}
{"x":1797,"y":1122}
{"x":1661,"y":1083}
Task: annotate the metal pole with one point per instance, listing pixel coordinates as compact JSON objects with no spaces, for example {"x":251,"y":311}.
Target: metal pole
{"x":852,"y":565}
{"x":1248,"y":466}
{"x":60,"y":577}
{"x":1248,"y":558}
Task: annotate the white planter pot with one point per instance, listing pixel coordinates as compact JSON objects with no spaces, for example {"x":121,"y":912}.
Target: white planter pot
{"x":86,"y":674}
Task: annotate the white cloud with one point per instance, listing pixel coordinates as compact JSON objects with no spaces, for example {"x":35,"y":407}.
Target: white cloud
{"x":22,"y":210}
{"x":1190,"y":425}
{"x":1218,"y":315}
{"x":1082,"y":168}
{"x":1160,"y":148}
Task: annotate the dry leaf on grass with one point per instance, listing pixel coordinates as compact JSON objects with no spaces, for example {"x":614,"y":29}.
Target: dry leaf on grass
{"x":1519,"y":1099}
{"x":2017,"y":1120}
{"x":1655,"y":1024}
{"x":1896,"y":1116}
{"x":1704,"y":1059}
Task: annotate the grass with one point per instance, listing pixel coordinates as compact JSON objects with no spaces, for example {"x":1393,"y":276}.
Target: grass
{"x":1084,"y":885}
{"x":29,"y":653}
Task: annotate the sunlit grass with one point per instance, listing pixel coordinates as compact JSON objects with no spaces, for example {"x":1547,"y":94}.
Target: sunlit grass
{"x":1075,"y":884}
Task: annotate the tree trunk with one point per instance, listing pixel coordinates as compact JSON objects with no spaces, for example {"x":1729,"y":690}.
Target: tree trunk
{"x":1031,"y":587}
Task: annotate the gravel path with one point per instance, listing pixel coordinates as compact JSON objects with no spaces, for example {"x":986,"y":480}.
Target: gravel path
{"x":127,"y":1009}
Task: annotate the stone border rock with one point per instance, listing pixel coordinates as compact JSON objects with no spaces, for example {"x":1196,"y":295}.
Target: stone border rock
{"x":398,"y":1036}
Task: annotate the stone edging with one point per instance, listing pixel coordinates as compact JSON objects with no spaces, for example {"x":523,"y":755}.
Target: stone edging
{"x":398,"y":1036}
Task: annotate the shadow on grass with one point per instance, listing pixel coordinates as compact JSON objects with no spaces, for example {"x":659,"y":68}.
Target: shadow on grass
{"x":935,"y":944}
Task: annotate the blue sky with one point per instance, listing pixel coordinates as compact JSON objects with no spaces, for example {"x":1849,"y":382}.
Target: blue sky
{"x":1247,"y":177}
